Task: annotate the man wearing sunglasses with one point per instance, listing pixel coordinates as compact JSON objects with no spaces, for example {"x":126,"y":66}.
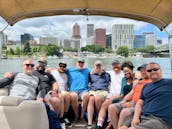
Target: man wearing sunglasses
{"x":62,"y":81}
{"x":24,"y":80}
{"x":29,"y":84}
{"x":153,"y":109}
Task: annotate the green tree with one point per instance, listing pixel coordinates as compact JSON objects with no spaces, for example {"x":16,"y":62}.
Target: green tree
{"x":108,"y":50}
{"x":93,"y":48}
{"x":11,"y":51}
{"x":4,"y":47}
{"x":53,"y":50}
{"x":17,"y":51}
{"x":26,"y":48}
{"x":123,"y":51}
{"x":150,"y":48}
{"x":35,"y":49}
{"x":71,"y":49}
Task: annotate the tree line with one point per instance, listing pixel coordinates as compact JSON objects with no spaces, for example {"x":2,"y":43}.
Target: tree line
{"x":52,"y":49}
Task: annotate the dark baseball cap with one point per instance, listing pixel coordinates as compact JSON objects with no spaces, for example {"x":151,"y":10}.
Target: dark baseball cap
{"x":142,"y":66}
{"x":115,"y":61}
{"x":43,"y":61}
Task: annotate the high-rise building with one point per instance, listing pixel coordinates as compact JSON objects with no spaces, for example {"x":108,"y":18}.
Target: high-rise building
{"x":150,"y":38}
{"x":26,"y":37}
{"x":122,"y":35}
{"x":76,"y":31}
{"x":100,"y":36}
{"x":90,"y":40}
{"x":139,"y":41}
{"x":109,"y":41}
{"x":66,"y":43}
{"x":48,"y":40}
{"x":90,"y":30}
{"x":76,"y":37}
{"x":159,"y":42}
{"x":3,"y":38}
{"x":75,"y":43}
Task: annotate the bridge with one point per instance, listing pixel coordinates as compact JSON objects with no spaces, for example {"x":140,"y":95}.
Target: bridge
{"x":163,"y":48}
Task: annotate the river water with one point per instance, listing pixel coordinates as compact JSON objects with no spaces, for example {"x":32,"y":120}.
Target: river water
{"x":14,"y":65}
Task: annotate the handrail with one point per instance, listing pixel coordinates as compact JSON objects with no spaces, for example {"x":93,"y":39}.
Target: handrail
{"x":170,"y":45}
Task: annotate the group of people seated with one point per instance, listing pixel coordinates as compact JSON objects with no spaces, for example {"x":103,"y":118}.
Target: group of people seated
{"x":117,"y":99}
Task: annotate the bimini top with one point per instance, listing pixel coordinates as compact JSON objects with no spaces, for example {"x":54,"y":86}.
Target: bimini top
{"x":157,"y":12}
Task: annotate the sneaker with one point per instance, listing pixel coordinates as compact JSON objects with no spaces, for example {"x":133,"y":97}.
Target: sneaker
{"x":99,"y":127}
{"x":63,"y":125}
{"x":61,"y":120}
{"x":90,"y":127}
{"x":67,"y":122}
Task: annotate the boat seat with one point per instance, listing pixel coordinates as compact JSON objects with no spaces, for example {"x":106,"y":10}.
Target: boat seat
{"x":17,"y":113}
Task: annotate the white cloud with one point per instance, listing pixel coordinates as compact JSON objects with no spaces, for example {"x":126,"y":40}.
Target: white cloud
{"x":61,"y":26}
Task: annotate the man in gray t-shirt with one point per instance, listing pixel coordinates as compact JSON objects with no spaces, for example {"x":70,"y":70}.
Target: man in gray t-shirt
{"x":22,"y":84}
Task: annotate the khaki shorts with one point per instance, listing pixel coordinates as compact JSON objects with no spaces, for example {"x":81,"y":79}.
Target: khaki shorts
{"x":64,"y":92}
{"x":151,"y":122}
{"x":101,"y":93}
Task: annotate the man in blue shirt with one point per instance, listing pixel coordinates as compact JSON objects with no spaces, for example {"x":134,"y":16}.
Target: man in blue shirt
{"x":78,"y":87}
{"x":153,"y":110}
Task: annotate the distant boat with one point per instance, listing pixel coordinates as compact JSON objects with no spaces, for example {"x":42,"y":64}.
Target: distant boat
{"x":3,"y":57}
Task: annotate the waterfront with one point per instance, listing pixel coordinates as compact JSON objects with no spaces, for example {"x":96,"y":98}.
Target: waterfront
{"x":14,"y":65}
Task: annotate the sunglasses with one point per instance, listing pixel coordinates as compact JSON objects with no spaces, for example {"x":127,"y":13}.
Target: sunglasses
{"x":30,"y":65}
{"x":81,"y":62}
{"x":98,"y":65}
{"x":62,"y":66}
{"x":154,"y":69}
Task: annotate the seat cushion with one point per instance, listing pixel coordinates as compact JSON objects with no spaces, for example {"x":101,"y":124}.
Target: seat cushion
{"x":4,"y":91}
{"x":10,"y":100}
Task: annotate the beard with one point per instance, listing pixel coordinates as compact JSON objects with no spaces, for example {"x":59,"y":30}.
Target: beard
{"x":40,"y":69}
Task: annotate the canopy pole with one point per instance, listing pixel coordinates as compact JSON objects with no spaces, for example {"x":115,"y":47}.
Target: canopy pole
{"x":4,"y":28}
{"x":170,"y":46}
{"x":1,"y":33}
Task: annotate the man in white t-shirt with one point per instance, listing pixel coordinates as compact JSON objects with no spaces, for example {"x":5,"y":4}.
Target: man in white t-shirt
{"x":115,"y":88}
{"x":62,"y":81}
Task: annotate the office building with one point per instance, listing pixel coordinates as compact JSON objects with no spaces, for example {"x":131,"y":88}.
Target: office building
{"x":90,"y":30}
{"x":25,"y":38}
{"x":139,"y":41}
{"x":122,"y":35}
{"x":76,"y":31}
{"x":100,"y":36}
{"x":48,"y":40}
{"x":66,"y":43}
{"x":109,"y":41}
{"x":150,"y":38}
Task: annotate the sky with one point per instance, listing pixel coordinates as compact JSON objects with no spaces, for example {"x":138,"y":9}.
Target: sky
{"x":61,"y":26}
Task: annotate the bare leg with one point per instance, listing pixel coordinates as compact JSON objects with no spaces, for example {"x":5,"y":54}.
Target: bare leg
{"x":102,"y":112}
{"x":54,"y":103}
{"x":123,"y":115}
{"x":123,"y":127}
{"x":66,"y":101}
{"x":90,"y":109}
{"x":98,"y":102}
{"x":74,"y":103}
{"x":113,"y":115}
{"x":61,"y":105}
{"x":85,"y":99}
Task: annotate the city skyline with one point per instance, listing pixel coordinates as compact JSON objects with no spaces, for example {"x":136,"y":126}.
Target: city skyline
{"x":61,"y":26}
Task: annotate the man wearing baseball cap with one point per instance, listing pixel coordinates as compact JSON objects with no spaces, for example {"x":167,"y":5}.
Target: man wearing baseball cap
{"x":115,"y":86}
{"x":78,"y":87}
{"x":62,"y":81}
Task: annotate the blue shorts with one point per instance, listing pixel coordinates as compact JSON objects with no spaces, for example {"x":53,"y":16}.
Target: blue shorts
{"x":80,"y":93}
